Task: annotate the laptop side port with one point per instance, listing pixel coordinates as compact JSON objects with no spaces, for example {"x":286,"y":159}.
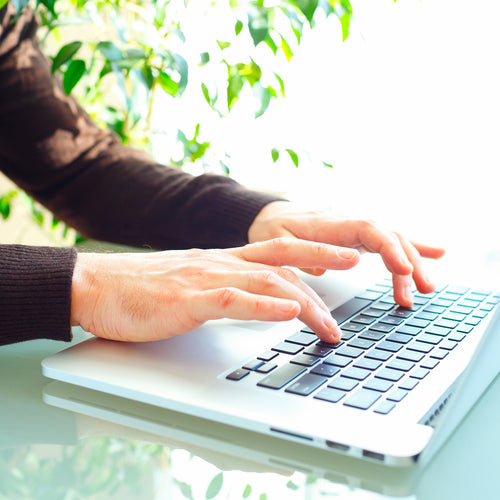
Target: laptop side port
{"x":374,"y":455}
{"x":291,"y":434}
{"x":337,"y":446}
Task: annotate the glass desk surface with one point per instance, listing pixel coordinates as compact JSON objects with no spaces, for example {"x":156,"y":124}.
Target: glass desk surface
{"x":107,"y":448}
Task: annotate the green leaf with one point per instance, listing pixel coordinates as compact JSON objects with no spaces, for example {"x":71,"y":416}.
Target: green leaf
{"x":247,"y":491}
{"x":264,"y":94}
{"x":204,"y":57}
{"x":275,"y":154}
{"x":258,"y":24}
{"x":110,"y":51}
{"x":2,"y":3}
{"x":65,"y":54}
{"x":238,"y":27}
{"x":182,"y":68}
{"x":223,"y":45}
{"x":292,"y":486}
{"x":343,"y":10}
{"x":293,"y":156}
{"x":73,"y":74}
{"x":328,"y":165}
{"x":215,"y":486}
{"x":282,"y":84}
{"x":167,"y":84}
{"x":307,"y":7}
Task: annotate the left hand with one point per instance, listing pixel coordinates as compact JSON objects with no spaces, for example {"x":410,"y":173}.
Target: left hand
{"x":402,"y":257}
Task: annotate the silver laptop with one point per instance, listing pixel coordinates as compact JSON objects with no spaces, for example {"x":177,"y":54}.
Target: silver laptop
{"x":389,"y":392}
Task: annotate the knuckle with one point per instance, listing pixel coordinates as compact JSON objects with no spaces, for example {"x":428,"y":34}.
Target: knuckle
{"x":281,"y":245}
{"x":226,"y":297}
{"x":287,"y":274}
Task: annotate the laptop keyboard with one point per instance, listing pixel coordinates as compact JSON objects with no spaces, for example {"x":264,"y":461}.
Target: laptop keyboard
{"x":384,"y":352}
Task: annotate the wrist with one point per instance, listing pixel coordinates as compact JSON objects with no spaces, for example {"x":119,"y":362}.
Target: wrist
{"x":83,"y":287}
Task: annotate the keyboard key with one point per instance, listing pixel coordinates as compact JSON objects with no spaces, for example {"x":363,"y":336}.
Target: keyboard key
{"x":287,"y":348}
{"x":439,"y":354}
{"x":457,"y":290}
{"x":353,"y":327}
{"x":387,"y":345}
{"x":369,"y":295}
{"x":429,"y":364}
{"x":337,"y":360}
{"x":304,"y":360}
{"x":383,"y":305}
{"x":401,"y":312}
{"x":388,"y":374}
{"x":302,"y":338}
{"x":409,"y":355}
{"x":361,"y":343}
{"x":408,"y":384}
{"x":435,"y":309}
{"x":379,"y":385}
{"x":436,"y":330}
{"x":385,"y":407}
{"x":380,"y":355}
{"x":472,"y":321}
{"x":449,"y":345}
{"x":400,"y":364}
{"x":419,"y":373}
{"x":461,"y":310}
{"x":346,"y":334}
{"x":418,"y":323}
{"x":446,"y":323}
{"x":454,"y":316}
{"x":429,"y":339}
{"x":325,"y":370}
{"x":409,"y":330}
{"x":382,"y":327}
{"x":374,"y":313}
{"x":465,"y":328}
{"x":397,"y":395}
{"x":319,"y":350}
{"x":266,"y":368}
{"x":356,"y":373}
{"x":456,"y":336}
{"x":362,"y":399}
{"x":306,"y":384}
{"x":330,"y":395}
{"x":421,"y":347}
{"x":371,"y":335}
{"x":363,"y":320}
{"x":268,"y":355}
{"x":426,"y":315}
{"x":281,"y":376}
{"x":368,"y":364}
{"x":392,"y":320}
{"x":237,"y":374}
{"x":349,"y":309}
{"x":400,"y":338}
{"x":343,"y":384}
{"x":253,"y":365}
{"x":350,"y":352}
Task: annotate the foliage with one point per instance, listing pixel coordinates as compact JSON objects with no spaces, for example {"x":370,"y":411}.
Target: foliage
{"x":119,"y":56}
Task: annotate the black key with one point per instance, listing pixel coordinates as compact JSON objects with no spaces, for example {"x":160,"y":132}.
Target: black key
{"x":306,"y":384}
{"x":330,"y":395}
{"x":319,"y":350}
{"x":336,"y":360}
{"x":384,"y":408}
{"x":409,"y":330}
{"x":356,"y":373}
{"x":429,"y":364}
{"x":281,"y":376}
{"x":302,"y":338}
{"x":268,"y":355}
{"x":253,"y":365}
{"x":382,"y":327}
{"x":429,"y":339}
{"x":426,"y":315}
{"x":352,"y":327}
{"x":362,"y":399}
{"x":387,"y":345}
{"x":397,"y":395}
{"x":361,"y":343}
{"x":377,"y":384}
{"x":380,"y":355}
{"x":421,"y":347}
{"x":371,"y":335}
{"x":325,"y":370}
{"x":439,"y":354}
{"x":374,"y":313}
{"x":400,"y":338}
{"x":400,"y":364}
{"x":363,"y":320}
{"x":388,"y":374}
{"x":420,"y":301}
{"x":349,"y":309}
{"x":304,"y":360}
{"x":401,"y":312}
{"x":392,"y":320}
{"x":418,"y":323}
{"x":287,"y":348}
{"x":383,"y":305}
{"x":237,"y":374}
{"x":266,"y":368}
{"x":350,"y":352}
{"x":419,"y":373}
{"x":368,"y":364}
{"x":346,"y":334}
{"x":408,"y":384}
{"x":411,"y":355}
{"x":343,"y":384}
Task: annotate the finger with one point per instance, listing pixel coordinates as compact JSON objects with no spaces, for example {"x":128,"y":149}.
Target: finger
{"x":422,"y":281}
{"x":430,"y":252}
{"x":402,"y":285}
{"x":298,"y":253}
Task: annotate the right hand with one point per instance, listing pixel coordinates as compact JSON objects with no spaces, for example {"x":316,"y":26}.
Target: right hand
{"x":144,"y":297}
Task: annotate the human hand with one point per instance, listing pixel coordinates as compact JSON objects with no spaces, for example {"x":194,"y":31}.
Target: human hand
{"x":143,"y":297}
{"x":401,"y":257}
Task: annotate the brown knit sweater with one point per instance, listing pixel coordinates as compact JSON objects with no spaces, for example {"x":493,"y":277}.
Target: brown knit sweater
{"x":51,"y":148}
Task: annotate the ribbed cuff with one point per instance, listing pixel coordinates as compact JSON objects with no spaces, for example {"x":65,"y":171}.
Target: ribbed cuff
{"x":35,"y":293}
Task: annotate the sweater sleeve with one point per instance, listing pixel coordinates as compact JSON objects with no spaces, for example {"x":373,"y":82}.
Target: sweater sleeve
{"x":35,"y":293}
{"x":52,"y":149}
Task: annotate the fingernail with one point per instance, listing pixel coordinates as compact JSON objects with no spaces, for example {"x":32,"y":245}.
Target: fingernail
{"x":347,"y":253}
{"x":332,"y":325}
